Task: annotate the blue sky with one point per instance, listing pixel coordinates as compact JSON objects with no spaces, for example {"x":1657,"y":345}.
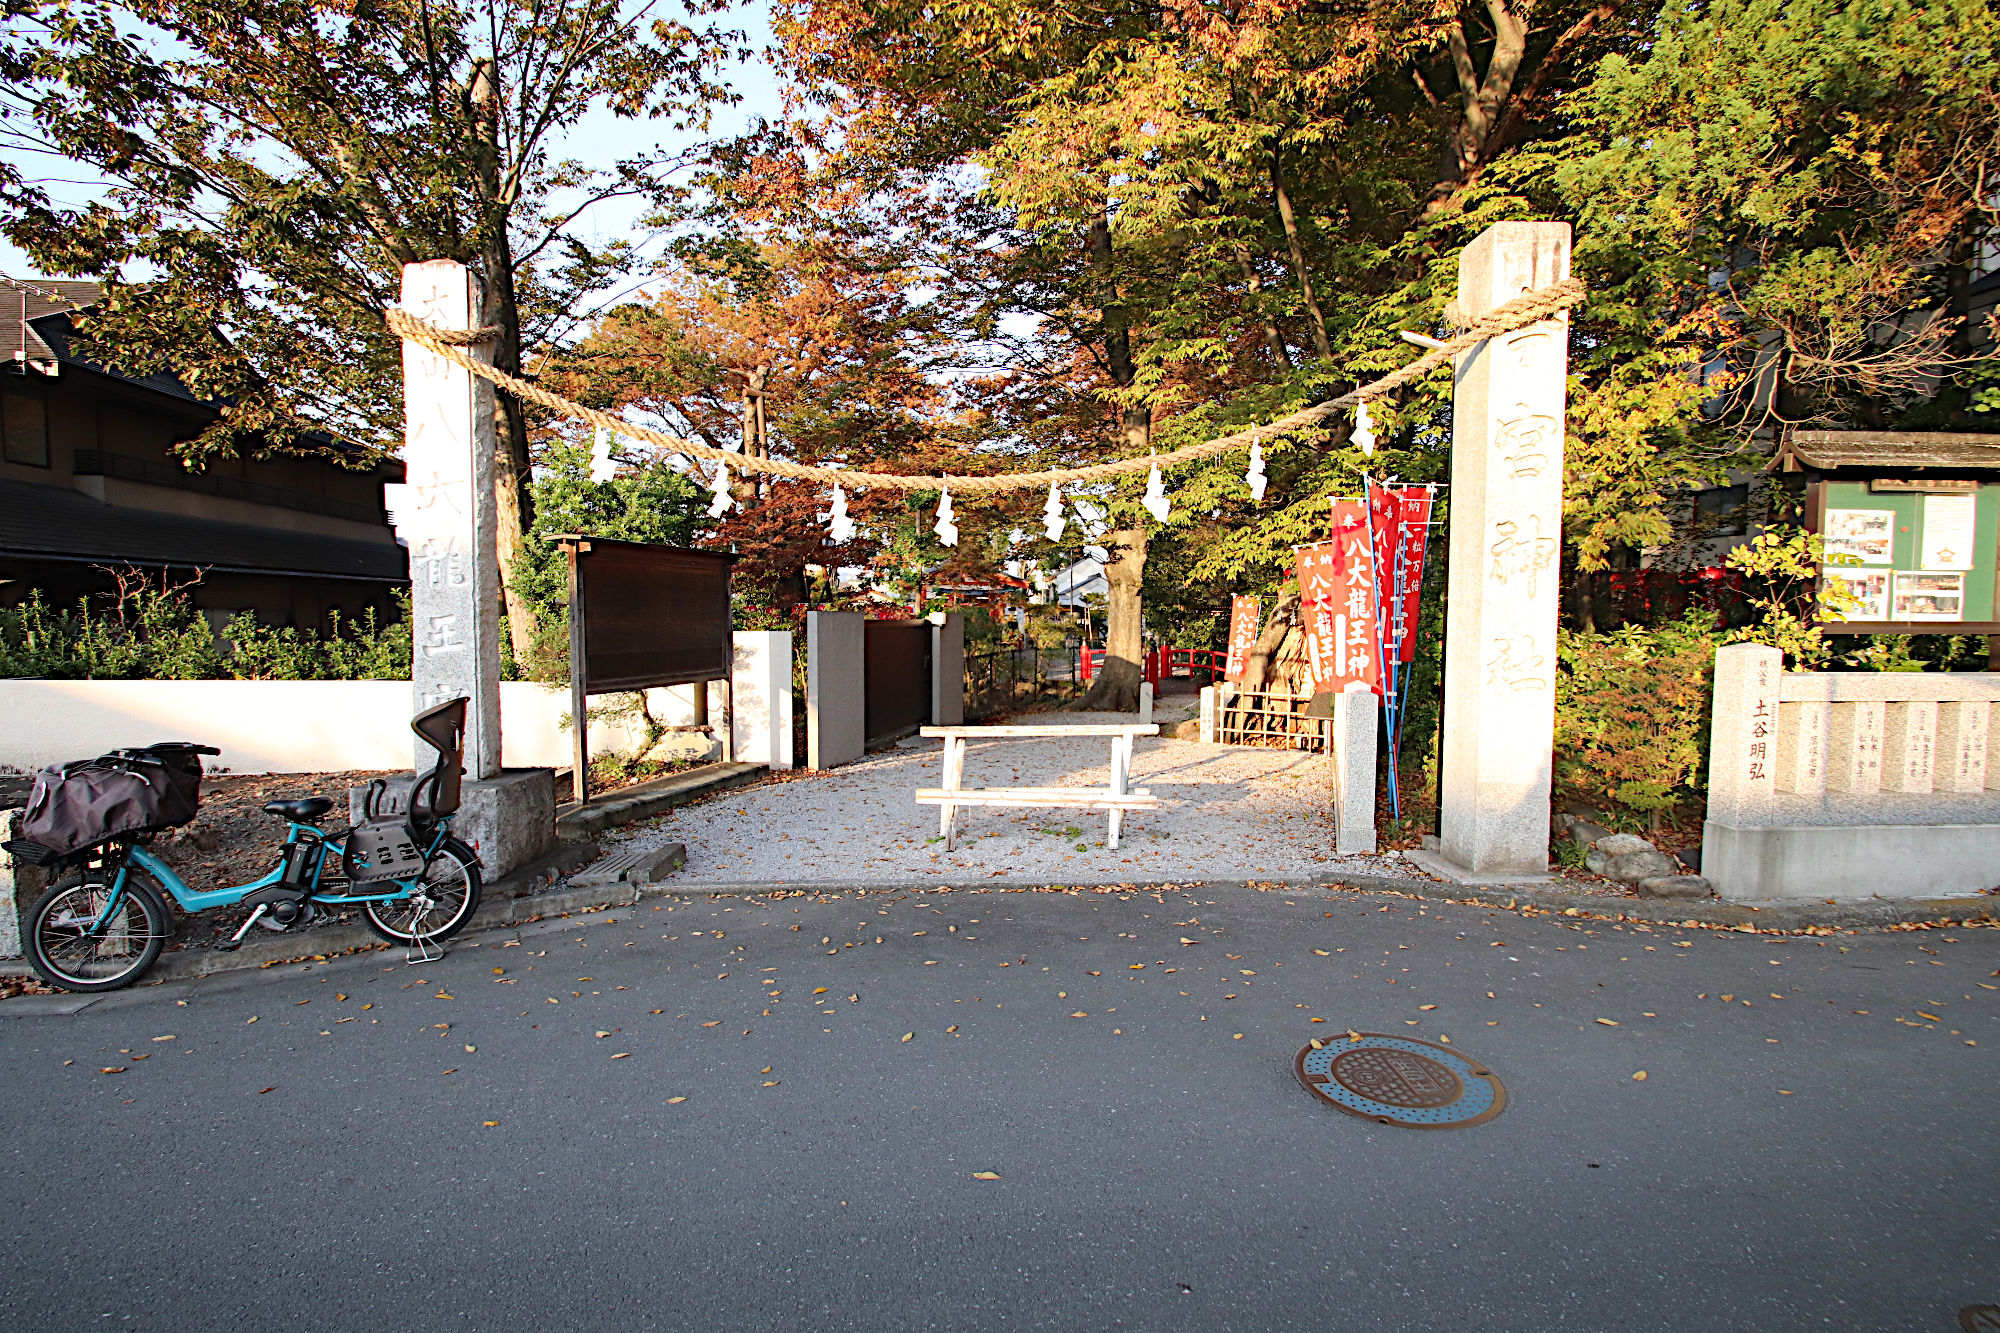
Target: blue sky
{"x":598,"y":137}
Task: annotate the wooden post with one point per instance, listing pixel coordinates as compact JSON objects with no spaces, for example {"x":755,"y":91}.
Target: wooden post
{"x":579,"y":703}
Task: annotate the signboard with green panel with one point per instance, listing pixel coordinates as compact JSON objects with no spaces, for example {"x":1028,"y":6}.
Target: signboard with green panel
{"x":1919,"y":556}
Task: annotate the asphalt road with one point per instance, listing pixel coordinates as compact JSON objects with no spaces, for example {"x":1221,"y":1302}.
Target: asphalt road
{"x":657,"y":1118}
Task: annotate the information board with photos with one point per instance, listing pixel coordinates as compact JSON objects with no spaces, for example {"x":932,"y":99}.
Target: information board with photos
{"x":1910,"y":557}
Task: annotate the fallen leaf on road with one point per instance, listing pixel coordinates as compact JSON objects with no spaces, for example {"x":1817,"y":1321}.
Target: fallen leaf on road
{"x":601,"y":1035}
{"x":169,"y":1037}
{"x":986,"y":1175}
{"x":338,"y":996}
{"x":1079,"y":1014}
{"x":675,"y":1101}
{"x":1322,"y":953}
{"x":470,"y":1049}
{"x":1933,"y":1017}
{"x":449,"y":1071}
{"x":1607,"y":1022}
{"x":248,"y":1021}
{"x":819,"y":990}
{"x":773,"y":1083}
{"x":1639,"y":1077}
{"x":1186,"y":940}
{"x":1426,"y":1007}
{"x":1316,"y":1043}
{"x":489,"y":1123}
{"x":272,"y":1088}
{"x":622,"y":1055}
{"x":716,"y":1024}
{"x":908,"y":1035}
{"x":112,"y":1069}
{"x":1352,"y":1035}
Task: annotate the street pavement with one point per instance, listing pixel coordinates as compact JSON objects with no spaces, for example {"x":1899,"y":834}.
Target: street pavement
{"x":776,"y":1114}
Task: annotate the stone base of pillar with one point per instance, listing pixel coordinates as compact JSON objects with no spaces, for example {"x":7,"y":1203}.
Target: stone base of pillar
{"x":1434,"y":863}
{"x":509,"y":820}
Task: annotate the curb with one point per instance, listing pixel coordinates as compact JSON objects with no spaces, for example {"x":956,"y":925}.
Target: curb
{"x":503,"y":902}
{"x":1710,"y":913}
{"x":512,"y":902}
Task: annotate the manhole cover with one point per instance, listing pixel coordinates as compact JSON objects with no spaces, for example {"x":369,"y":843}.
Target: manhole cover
{"x":1399,"y":1081}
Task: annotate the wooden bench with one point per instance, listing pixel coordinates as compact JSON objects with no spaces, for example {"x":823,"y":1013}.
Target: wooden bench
{"x":1114,"y":799}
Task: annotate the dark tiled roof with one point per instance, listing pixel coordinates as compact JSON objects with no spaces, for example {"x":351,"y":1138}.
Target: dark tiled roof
{"x":51,"y":523}
{"x":35,"y":318}
{"x":1890,"y":448}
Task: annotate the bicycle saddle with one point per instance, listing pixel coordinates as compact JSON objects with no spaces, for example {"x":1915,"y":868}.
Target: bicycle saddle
{"x":302,"y":810}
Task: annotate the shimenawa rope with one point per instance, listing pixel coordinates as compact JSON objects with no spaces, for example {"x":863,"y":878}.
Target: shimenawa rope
{"x":1530,"y":308}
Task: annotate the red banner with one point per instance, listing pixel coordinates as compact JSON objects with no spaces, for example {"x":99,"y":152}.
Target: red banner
{"x":1416,"y":521}
{"x":1243,"y":624}
{"x":1337,"y":585}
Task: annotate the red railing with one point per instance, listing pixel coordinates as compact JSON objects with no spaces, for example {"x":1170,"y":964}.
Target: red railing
{"x":1162,"y":663}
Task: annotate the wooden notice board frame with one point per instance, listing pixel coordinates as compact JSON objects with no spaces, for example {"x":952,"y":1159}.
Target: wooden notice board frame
{"x":643,"y":615}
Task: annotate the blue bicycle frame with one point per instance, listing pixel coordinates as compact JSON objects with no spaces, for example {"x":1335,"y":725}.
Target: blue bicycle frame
{"x":190,"y":900}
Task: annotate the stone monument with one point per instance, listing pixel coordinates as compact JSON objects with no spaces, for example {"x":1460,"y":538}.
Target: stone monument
{"x":1508,"y":402}
{"x":445,"y":514}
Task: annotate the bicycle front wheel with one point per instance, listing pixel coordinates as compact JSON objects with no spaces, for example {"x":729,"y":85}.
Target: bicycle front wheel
{"x":68,"y":949}
{"x":444,"y":901}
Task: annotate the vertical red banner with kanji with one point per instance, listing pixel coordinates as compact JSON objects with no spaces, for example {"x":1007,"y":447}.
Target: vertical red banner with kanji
{"x":1243,"y":625}
{"x":1415,"y":535}
{"x":1337,"y":585}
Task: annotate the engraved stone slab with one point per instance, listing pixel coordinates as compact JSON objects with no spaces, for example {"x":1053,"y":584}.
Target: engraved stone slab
{"x":1744,"y":738}
{"x":445,"y":514}
{"x":1909,"y":745}
{"x":1508,"y":404}
{"x":1962,"y":745}
{"x":1802,"y":737}
{"x":1854,"y":748}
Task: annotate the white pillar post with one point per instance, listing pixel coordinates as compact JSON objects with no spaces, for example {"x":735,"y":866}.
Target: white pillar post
{"x":445,"y":513}
{"x":1508,"y":402}
{"x":1356,"y":724}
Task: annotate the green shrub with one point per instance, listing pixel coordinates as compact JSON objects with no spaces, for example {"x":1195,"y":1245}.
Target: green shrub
{"x":1632,"y":713}
{"x":148,"y":632}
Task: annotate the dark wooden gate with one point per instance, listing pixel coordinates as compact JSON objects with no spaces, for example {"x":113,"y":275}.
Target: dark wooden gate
{"x":896,"y":662}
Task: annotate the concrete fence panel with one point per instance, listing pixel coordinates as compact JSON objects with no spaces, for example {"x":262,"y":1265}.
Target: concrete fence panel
{"x":1850,"y":784}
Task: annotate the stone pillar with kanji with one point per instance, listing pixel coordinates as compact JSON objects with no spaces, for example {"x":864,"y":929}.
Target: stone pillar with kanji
{"x":1508,"y":401}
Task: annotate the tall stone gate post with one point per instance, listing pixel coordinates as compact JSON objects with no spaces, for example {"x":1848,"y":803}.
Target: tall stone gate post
{"x":445,"y":512}
{"x":1506,"y":532}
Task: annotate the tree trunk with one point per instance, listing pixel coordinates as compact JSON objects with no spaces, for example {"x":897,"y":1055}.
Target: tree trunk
{"x":1117,"y":689}
{"x":1298,"y":251}
{"x":514,"y":503}
{"x":1257,"y":667}
{"x":1273,"y":339}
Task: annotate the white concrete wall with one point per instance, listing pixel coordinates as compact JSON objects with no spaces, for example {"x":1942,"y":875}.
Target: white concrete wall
{"x":318,"y":726}
{"x":1850,"y":784}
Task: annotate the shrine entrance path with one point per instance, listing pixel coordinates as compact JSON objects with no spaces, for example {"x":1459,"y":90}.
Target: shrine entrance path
{"x":1226,"y":812}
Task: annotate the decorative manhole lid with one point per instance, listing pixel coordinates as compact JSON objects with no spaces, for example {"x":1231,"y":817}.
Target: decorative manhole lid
{"x":1401,"y":1081}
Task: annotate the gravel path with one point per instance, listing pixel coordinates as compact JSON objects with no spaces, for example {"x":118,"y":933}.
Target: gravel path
{"x":1225,"y":813}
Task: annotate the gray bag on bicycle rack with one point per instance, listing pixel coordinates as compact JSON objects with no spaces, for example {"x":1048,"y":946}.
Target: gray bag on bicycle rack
{"x":81,"y":804}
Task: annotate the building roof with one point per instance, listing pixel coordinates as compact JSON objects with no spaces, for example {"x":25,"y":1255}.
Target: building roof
{"x":1891,"y":449}
{"x":51,"y":523}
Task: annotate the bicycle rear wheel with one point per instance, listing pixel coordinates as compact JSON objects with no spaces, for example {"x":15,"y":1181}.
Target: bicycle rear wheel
{"x":444,"y":901}
{"x":66,"y":952}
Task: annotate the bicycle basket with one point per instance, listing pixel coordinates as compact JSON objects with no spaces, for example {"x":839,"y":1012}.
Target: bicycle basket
{"x":79,"y":805}
{"x":382,"y":849}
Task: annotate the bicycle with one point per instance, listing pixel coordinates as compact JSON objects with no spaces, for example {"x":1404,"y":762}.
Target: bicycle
{"x":105,"y":921}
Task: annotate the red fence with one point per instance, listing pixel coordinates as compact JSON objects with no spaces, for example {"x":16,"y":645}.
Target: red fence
{"x":1163,"y":663}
